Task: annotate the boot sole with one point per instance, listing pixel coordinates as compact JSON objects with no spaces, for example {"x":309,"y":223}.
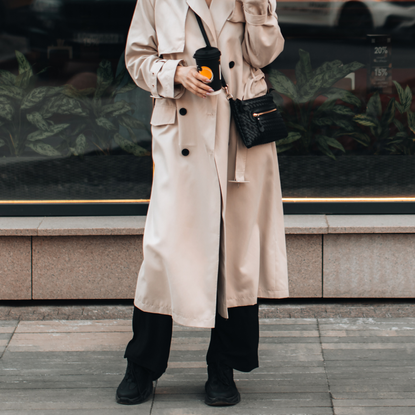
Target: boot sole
{"x":233,"y":400}
{"x":134,"y":401}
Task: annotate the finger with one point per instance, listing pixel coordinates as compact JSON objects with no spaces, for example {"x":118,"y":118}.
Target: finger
{"x":200,"y":85}
{"x":201,"y":78}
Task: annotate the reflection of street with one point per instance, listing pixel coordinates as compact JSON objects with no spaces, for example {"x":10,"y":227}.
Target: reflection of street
{"x":350,"y":18}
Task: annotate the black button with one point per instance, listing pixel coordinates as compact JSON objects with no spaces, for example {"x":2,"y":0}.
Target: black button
{"x":231,"y":64}
{"x":183,"y":111}
{"x":185,"y":152}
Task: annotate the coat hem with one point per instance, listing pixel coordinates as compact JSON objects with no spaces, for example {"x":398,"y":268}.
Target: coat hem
{"x":183,"y":321}
{"x":252,"y":300}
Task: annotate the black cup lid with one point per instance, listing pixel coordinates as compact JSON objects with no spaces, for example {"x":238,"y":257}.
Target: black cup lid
{"x":207,"y":53}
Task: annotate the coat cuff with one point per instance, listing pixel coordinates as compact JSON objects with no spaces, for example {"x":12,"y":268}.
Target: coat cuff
{"x":165,"y":86}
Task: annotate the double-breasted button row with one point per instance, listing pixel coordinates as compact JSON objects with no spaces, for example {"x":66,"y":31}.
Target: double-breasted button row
{"x":231,"y":64}
{"x":185,"y":152}
{"x":182,"y":111}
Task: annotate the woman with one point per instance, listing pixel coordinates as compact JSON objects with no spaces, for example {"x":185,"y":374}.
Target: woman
{"x":214,"y":239}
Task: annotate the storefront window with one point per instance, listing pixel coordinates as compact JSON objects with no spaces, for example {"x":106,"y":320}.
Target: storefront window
{"x":75,"y":129}
{"x":345,"y":86}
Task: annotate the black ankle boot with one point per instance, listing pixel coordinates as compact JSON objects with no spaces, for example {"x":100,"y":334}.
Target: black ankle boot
{"x":220,"y":387}
{"x":136,"y":387}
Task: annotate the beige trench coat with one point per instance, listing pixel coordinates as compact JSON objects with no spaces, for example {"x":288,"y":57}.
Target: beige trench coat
{"x":214,"y":235}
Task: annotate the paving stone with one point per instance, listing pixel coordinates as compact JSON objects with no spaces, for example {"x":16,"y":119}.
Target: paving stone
{"x":374,"y":411}
{"x":245,"y":407}
{"x":65,"y":399}
{"x":74,"y":326}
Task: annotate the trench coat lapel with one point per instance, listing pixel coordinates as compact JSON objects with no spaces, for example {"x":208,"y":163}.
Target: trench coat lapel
{"x":220,"y":11}
{"x":202,"y":10}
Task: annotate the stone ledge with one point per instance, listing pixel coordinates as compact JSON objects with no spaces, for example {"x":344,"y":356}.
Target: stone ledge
{"x":371,"y":223}
{"x":134,"y":225}
{"x":73,"y":226}
{"x":305,"y":224}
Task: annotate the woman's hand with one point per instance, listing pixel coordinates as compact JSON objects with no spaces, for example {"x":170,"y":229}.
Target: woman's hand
{"x":192,"y":80}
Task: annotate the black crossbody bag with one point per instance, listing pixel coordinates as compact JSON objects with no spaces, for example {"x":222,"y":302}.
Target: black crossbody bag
{"x":258,"y":120}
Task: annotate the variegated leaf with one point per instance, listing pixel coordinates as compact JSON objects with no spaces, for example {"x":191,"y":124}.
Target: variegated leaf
{"x":130,"y":147}
{"x":40,"y":134}
{"x":44,"y":149}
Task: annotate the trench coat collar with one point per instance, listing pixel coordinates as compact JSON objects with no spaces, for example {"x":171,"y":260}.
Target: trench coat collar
{"x":202,"y":10}
{"x":220,"y":11}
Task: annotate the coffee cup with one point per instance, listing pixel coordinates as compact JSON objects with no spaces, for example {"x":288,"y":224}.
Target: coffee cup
{"x":208,"y":64}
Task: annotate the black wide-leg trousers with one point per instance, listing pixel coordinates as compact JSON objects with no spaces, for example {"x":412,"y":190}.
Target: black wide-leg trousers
{"x":233,"y":341}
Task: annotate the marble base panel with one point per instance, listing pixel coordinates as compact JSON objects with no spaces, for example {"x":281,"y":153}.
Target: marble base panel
{"x":369,"y":266}
{"x":304,"y":256}
{"x":15,"y":268}
{"x":86,"y":267}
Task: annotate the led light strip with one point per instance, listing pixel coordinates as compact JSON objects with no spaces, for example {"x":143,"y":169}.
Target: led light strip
{"x":284,"y":199}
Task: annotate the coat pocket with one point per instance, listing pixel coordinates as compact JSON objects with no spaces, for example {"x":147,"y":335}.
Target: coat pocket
{"x":164,"y":113}
{"x":238,"y":15}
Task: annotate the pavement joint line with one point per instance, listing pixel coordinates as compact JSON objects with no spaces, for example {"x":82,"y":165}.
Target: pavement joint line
{"x":10,"y":339}
{"x":325,"y":368}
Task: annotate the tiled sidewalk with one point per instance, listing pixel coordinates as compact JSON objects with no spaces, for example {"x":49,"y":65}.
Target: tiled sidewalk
{"x":308,"y":367}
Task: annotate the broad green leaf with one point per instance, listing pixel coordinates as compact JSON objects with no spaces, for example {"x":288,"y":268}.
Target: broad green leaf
{"x":43,"y":149}
{"x":24,"y":65}
{"x":6,"y":111}
{"x":322,"y":121}
{"x":23,"y":80}
{"x":40,"y":134}
{"x":36,"y":119}
{"x":343,"y":110}
{"x":332,"y":142}
{"x":11,"y":91}
{"x":283,"y":85}
{"x":54,"y":90}
{"x":389,"y":114}
{"x":326,"y":106}
{"x":117,"y":108}
{"x":398,"y":124}
{"x":106,"y":123}
{"x":401,"y":93}
{"x":80,"y":145}
{"x":326,"y":79}
{"x":131,"y":86}
{"x":408,"y":96}
{"x":411,"y":121}
{"x":303,"y":69}
{"x":104,"y":78}
{"x":62,"y":105}
{"x":344,"y":95}
{"x":399,"y":107}
{"x":129,"y":121}
{"x":342,"y":123}
{"x":2,"y":143}
{"x":34,"y":97}
{"x":374,"y":106}
{"x":365,"y":120}
{"x":402,"y":134}
{"x":130,"y":147}
{"x":324,"y":148}
{"x":327,"y":67}
{"x":361,"y":138}
{"x":7,"y":77}
{"x":281,"y":149}
{"x":292,"y":137}
{"x":4,"y":100}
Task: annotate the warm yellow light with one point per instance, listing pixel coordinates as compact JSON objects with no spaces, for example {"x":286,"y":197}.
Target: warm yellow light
{"x":54,"y":202}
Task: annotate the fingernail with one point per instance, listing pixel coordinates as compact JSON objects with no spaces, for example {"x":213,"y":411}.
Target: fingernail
{"x":211,"y":90}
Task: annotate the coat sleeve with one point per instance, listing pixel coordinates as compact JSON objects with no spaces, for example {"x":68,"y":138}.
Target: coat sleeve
{"x":263,"y":40}
{"x":149,"y":71}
